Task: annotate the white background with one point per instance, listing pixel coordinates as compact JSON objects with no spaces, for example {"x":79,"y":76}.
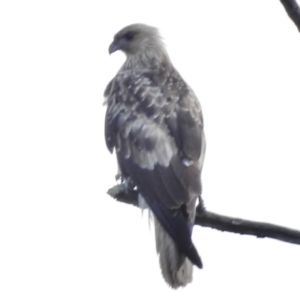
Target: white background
{"x":61,"y":236}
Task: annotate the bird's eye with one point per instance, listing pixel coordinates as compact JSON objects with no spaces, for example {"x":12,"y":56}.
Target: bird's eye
{"x":129,"y":36}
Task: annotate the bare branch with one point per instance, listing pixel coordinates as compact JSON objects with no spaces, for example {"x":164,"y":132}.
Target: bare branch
{"x":293,"y":10}
{"x":223,"y":223}
{"x":258,"y":229}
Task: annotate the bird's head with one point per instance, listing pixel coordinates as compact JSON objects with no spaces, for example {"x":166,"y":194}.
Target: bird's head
{"x":136,"y":38}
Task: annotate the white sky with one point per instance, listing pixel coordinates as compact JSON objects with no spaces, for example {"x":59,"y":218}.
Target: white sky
{"x":61,"y":236}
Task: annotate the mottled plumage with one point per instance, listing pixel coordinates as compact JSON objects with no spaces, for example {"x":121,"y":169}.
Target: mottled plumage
{"x":154,"y":123}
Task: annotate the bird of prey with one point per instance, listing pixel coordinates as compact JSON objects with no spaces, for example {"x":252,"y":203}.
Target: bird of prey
{"x":154,"y":123}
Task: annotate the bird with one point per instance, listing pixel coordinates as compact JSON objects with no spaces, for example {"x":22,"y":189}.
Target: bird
{"x":154,"y":124}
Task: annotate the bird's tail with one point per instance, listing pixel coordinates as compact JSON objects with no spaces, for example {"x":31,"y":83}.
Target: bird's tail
{"x":176,"y":268}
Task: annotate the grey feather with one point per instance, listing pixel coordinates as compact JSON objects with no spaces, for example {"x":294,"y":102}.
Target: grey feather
{"x":176,"y":269}
{"x":154,"y":123}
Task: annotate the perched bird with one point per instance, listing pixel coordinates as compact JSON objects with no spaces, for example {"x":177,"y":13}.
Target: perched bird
{"x":154,"y":122}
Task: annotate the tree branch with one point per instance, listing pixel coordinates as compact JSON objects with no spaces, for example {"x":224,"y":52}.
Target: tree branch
{"x":258,"y":229}
{"x":223,"y":223}
{"x":293,"y":10}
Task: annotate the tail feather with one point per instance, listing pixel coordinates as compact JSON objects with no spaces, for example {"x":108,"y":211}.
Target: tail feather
{"x":177,"y":227}
{"x":176,"y":268}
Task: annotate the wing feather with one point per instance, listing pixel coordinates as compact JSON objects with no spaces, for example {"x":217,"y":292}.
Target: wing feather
{"x":155,"y":126}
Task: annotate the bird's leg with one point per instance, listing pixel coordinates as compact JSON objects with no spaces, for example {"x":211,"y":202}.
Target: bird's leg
{"x":128,"y":183}
{"x":119,"y":175}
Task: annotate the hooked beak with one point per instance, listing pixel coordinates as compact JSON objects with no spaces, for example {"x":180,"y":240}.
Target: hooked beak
{"x":114,"y":46}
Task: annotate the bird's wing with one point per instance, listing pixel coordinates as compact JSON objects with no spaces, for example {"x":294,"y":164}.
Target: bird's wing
{"x":158,"y":137}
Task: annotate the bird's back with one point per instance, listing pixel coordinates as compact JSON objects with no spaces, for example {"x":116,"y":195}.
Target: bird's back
{"x":154,"y":122}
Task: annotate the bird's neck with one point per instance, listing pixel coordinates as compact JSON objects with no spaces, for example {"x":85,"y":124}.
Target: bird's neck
{"x":147,"y":59}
